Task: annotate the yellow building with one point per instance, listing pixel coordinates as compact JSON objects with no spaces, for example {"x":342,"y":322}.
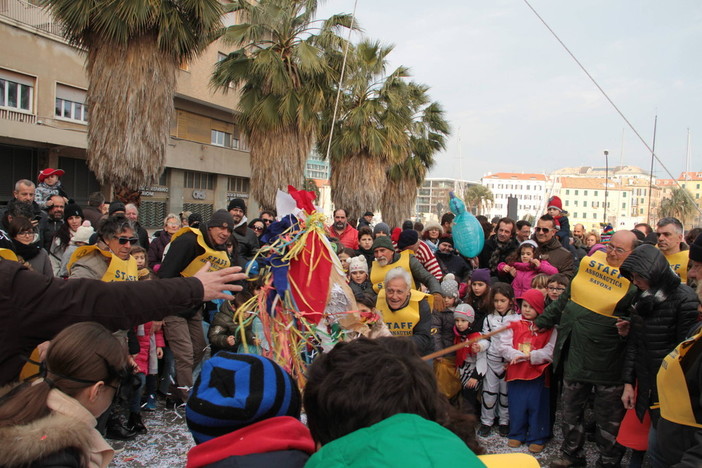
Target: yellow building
{"x":43,"y":122}
{"x":584,"y":200}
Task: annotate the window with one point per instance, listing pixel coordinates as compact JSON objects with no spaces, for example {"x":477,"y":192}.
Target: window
{"x":576,"y":192}
{"x":567,"y":203}
{"x":238,"y":184}
{"x":16,"y":91}
{"x":219,"y":138}
{"x":198,"y":180}
{"x":585,"y":193}
{"x":575,"y":215}
{"x":595,"y":192}
{"x":567,"y":192}
{"x":70,"y":104}
{"x":585,"y":202}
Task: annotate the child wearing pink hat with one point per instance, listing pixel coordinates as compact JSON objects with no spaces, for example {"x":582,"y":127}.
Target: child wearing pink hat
{"x":529,"y":353}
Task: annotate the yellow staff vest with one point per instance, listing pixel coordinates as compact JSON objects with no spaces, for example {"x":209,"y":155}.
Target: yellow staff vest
{"x":117,"y":270}
{"x":8,"y":254}
{"x":378,"y":273}
{"x":401,"y":322}
{"x":678,"y":262}
{"x":598,"y":286}
{"x":673,"y":392}
{"x":218,"y":258}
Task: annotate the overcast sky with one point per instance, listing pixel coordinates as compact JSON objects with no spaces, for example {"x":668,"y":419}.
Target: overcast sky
{"x":517,"y":102}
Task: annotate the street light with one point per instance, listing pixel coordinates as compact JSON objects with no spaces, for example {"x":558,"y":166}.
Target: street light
{"x":606,"y":154}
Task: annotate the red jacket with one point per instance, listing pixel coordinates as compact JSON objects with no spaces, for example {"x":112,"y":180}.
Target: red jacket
{"x":142,"y":359}
{"x":279,"y":434}
{"x":348,"y":238}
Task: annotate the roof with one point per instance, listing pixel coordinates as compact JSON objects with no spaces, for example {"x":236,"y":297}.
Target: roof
{"x":516,"y":176}
{"x":596,"y":183}
{"x":690,"y":176}
{"x":665,"y":182}
{"x":585,"y":171}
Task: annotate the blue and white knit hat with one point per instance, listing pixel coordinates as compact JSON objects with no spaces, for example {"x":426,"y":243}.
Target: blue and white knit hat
{"x":236,"y":390}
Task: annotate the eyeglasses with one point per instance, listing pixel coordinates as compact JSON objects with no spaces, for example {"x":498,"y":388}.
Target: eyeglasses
{"x":551,"y":288}
{"x":542,"y":229}
{"x":618,"y":250}
{"x":124,"y":240}
{"x":26,"y":233}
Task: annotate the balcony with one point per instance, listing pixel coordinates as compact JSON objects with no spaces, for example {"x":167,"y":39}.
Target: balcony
{"x":31,"y":17}
{"x":14,"y":116}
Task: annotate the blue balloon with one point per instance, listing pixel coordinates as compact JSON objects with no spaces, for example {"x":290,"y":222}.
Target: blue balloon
{"x":468,"y":235}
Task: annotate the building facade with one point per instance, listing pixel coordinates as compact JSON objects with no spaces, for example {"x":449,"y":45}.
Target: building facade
{"x":433,"y":197}
{"x":44,"y":122}
{"x":529,"y":190}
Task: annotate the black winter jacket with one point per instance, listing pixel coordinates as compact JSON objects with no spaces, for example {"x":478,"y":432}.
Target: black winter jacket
{"x":662,"y":318}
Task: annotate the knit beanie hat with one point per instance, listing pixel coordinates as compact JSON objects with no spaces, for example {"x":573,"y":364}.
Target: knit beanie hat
{"x":237,"y":203}
{"x":383,"y":241}
{"x":696,"y":249}
{"x":465,"y":312}
{"x":116,"y":206}
{"x":407,"y":238}
{"x":481,"y":274}
{"x":607,"y":233}
{"x":407,"y":224}
{"x":555,"y":202}
{"x":381,"y":227}
{"x":221,"y":218}
{"x":448,"y":240}
{"x":449,"y":286}
{"x":72,"y":210}
{"x":535,"y":300}
{"x":358,"y":264}
{"x":236,"y":390}
{"x":83,"y":233}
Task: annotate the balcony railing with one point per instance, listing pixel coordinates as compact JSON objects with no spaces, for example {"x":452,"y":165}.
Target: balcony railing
{"x":6,"y":114}
{"x":30,"y":15}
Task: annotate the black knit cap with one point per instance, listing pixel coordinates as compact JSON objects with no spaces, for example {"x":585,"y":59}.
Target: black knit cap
{"x":696,"y":249}
{"x":237,"y":203}
{"x":407,"y":237}
{"x":223,"y":219}
{"x":116,"y":206}
{"x":72,"y":210}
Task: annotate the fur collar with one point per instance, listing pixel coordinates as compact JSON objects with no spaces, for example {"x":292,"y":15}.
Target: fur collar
{"x":43,"y":437}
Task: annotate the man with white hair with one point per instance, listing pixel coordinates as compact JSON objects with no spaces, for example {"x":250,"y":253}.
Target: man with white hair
{"x":405,"y":310}
{"x":132,"y":214}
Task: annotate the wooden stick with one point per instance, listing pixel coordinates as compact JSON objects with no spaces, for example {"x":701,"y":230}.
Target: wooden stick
{"x":465,"y":344}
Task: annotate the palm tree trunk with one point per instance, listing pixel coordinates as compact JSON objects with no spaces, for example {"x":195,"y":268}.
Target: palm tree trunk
{"x":277,"y":160}
{"x":357,"y":183}
{"x":130,"y":116}
{"x":398,"y":201}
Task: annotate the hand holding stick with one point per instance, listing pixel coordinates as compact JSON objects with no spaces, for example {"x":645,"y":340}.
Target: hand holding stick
{"x":465,"y":344}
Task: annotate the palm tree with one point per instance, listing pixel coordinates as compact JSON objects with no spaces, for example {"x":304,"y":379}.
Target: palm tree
{"x":428,"y":131}
{"x":370,"y":133}
{"x":679,"y":204}
{"x":285,"y":66}
{"x":477,"y":198}
{"x":133,"y":50}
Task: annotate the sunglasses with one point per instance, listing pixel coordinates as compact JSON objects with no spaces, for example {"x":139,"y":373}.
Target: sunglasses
{"x":540,"y":229}
{"x":267,"y":221}
{"x":124,"y":240}
{"x":258,"y":228}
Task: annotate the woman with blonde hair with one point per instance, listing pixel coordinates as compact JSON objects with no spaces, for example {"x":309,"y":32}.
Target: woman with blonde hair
{"x":51,"y":420}
{"x":171,"y":225}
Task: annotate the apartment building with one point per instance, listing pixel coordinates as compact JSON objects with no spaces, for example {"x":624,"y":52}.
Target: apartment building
{"x":44,"y":121}
{"x":529,"y":190}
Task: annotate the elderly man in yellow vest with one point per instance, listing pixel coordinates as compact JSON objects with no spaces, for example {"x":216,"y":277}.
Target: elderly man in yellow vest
{"x":189,"y":250}
{"x":405,"y":310}
{"x":670,"y":239}
{"x":386,"y":259}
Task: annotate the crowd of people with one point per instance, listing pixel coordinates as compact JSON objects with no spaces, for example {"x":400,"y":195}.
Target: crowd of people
{"x":456,"y":348}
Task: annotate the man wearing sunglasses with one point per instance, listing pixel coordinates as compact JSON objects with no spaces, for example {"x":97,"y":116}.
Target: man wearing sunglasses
{"x":550,"y":247}
{"x":189,"y":250}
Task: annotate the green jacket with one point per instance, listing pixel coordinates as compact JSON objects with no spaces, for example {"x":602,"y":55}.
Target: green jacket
{"x":588,"y":343}
{"x":402,"y":441}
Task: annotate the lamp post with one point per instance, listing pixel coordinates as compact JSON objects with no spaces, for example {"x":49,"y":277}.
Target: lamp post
{"x":606,"y":154}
